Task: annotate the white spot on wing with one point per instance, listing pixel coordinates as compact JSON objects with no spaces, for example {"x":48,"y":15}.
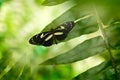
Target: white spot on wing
{"x":49,"y":37}
{"x":62,"y":27}
{"x":41,"y":36}
{"x":58,"y":33}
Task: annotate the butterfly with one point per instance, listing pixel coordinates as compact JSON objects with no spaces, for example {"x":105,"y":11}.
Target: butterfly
{"x":58,"y":34}
{"x":49,"y":37}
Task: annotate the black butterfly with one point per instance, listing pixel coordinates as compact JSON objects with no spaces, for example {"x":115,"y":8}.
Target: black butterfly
{"x":49,"y":37}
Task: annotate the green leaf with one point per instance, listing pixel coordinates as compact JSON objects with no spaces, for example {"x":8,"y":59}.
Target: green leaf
{"x":52,"y":2}
{"x":104,"y":9}
{"x":3,"y":1}
{"x":84,"y":26}
{"x":105,"y":71}
{"x":0,"y":3}
{"x":39,"y":2}
{"x":112,"y":33}
{"x":95,"y":73}
{"x":86,"y":49}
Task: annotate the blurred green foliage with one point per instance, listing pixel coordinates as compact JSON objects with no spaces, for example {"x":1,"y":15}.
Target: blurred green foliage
{"x":21,"y":19}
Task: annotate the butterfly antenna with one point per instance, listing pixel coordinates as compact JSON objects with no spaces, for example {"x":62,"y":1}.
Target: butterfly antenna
{"x":82,"y":18}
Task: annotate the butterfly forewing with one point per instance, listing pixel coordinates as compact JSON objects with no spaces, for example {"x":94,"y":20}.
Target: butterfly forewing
{"x":48,"y":40}
{"x":43,"y":38}
{"x":36,"y":40}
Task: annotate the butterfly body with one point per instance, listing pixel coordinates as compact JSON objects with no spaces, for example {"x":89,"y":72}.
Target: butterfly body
{"x":49,"y":37}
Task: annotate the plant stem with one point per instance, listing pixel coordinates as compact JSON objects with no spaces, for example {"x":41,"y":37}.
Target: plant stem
{"x":109,"y":51}
{"x":82,"y":18}
{"x":101,"y":25}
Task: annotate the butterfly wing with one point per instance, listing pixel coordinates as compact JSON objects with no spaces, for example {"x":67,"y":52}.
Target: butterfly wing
{"x":62,"y":30}
{"x":44,"y":38}
{"x":60,"y":34}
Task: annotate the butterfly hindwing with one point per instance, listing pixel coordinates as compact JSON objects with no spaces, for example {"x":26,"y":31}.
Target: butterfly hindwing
{"x":60,"y":35}
{"x":62,"y":30}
